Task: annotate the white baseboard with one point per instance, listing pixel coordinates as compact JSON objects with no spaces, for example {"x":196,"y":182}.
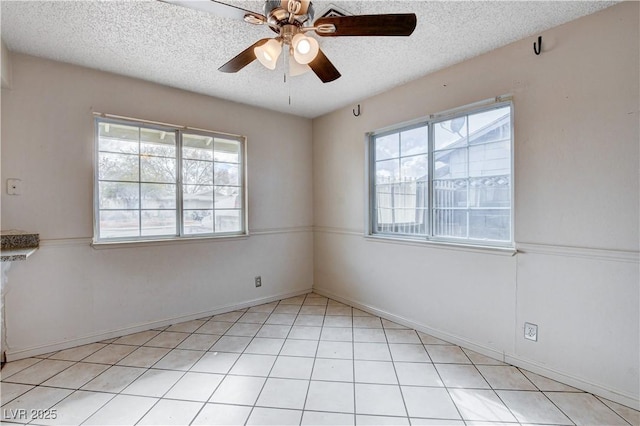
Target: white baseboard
{"x":576,"y":382}
{"x":579,"y":383}
{"x":13,"y":355}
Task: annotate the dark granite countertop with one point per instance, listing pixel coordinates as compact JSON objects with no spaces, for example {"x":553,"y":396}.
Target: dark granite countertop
{"x":17,"y":245}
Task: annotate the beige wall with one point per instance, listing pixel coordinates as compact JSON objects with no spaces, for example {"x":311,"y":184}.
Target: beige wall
{"x":68,"y":292}
{"x":576,"y":210}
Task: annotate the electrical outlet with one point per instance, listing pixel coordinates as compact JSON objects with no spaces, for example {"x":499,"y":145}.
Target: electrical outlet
{"x":258,"y":281}
{"x":14,"y":187}
{"x":531,"y":331}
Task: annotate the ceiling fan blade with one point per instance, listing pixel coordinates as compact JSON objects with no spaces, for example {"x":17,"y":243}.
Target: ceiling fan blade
{"x":399,"y":24}
{"x":323,"y":68}
{"x":217,"y":8}
{"x":243,"y":59}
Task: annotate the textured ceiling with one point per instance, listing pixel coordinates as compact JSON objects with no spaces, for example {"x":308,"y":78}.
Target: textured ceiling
{"x":183,"y":48}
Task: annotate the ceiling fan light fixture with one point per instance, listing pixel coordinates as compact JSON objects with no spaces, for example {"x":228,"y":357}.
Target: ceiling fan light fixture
{"x":296,"y":68}
{"x":305,"y":49}
{"x":268,"y":53}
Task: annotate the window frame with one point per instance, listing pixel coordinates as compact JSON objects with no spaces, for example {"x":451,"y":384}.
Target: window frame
{"x":179,"y":132}
{"x":430,"y":121}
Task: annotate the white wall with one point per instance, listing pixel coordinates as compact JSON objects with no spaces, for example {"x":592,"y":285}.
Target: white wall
{"x":576,"y":210}
{"x":68,"y":292}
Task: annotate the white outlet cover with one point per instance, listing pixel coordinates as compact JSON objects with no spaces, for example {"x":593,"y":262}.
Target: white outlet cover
{"x":14,"y":187}
{"x":531,"y":331}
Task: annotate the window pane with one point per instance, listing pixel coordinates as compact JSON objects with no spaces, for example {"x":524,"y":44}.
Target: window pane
{"x":450,"y":133}
{"x":417,"y":226}
{"x":401,"y":207}
{"x":384,"y":203}
{"x":228,"y":197}
{"x":158,"y":142}
{"x":450,"y":164}
{"x":158,"y":196}
{"x":198,"y":222}
{"x":118,"y":138}
{"x":490,"y":159}
{"x":414,"y":168}
{"x":414,"y":141}
{"x":138,"y":195}
{"x":450,"y":223}
{"x":489,"y":126}
{"x":227,"y":151}
{"x":490,"y":192}
{"x":490,"y":225}
{"x":197,"y":197}
{"x":385,"y":219}
{"x":387,"y":146}
{"x":119,"y":223}
{"x":157,"y":169}
{"x":461,"y":191}
{"x":450,"y":193}
{"x":197,"y":147}
{"x":228,"y":221}
{"x":387,"y":171}
{"x":118,"y":195}
{"x":159,"y":222}
{"x":226,"y":174}
{"x":197,"y":172}
{"x":118,"y":146}
{"x":120,"y":167}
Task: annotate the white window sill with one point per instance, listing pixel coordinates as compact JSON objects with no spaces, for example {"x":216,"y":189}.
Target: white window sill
{"x":99,"y":245}
{"x":446,"y":245}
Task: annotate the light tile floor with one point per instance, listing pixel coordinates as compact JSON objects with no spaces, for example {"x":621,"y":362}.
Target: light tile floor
{"x":306,"y":360}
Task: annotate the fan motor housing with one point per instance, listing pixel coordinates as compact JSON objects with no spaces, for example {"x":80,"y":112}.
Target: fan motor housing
{"x":278,"y":16}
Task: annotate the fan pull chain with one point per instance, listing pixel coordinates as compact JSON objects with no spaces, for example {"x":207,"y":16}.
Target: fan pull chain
{"x":286,"y":58}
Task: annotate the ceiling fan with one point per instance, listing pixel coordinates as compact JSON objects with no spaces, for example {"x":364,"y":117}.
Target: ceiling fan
{"x":291,"y":21}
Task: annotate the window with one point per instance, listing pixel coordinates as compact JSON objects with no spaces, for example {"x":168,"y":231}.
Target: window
{"x":159,"y":182}
{"x":447,"y":178}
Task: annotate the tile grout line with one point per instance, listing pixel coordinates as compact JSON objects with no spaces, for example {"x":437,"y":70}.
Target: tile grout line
{"x":276,"y":359}
{"x":48,"y":378}
{"x":184,"y":374}
{"x":543,"y":393}
{"x":313,"y":364}
{"x":444,"y":385}
{"x":353,"y":358}
{"x":404,"y":402}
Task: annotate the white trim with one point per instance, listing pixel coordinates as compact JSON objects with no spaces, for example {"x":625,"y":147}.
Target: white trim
{"x":13,"y":355}
{"x":612,"y":255}
{"x":335,"y":230}
{"x":63,"y":242}
{"x":419,"y":242}
{"x":116,"y":117}
{"x":513,"y":359}
{"x":450,"y":338}
{"x":446,"y":245}
{"x":88,"y":241}
{"x":583,"y":252}
{"x":287,"y":230}
{"x":576,"y":382}
{"x":165,"y":241}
